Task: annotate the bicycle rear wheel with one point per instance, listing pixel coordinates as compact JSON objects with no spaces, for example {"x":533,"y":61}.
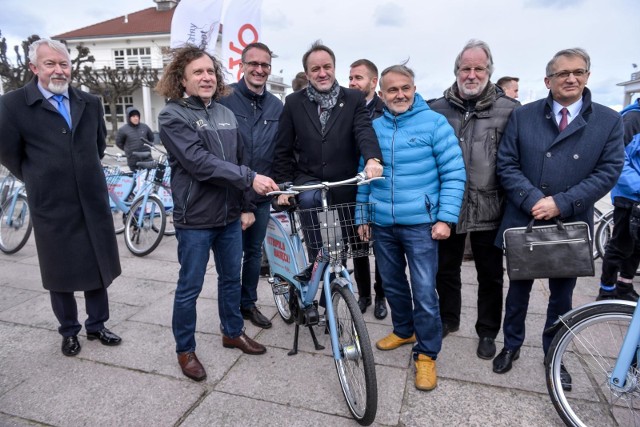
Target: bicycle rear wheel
{"x":604,"y":232}
{"x":588,"y":346}
{"x":142,"y":237}
{"x":15,"y":224}
{"x":356,"y":368}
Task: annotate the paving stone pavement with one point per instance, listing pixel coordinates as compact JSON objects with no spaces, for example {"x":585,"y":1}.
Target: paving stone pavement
{"x":139,"y":383}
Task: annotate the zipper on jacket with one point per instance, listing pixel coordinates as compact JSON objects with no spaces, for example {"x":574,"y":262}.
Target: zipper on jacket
{"x":186,"y":203}
{"x":393,"y":144}
{"x":427,"y":204}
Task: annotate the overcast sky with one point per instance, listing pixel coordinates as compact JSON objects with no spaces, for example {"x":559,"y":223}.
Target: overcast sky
{"x":523,"y":35}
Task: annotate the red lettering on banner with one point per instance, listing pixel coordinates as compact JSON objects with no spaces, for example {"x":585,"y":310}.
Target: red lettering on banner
{"x":243,"y":43}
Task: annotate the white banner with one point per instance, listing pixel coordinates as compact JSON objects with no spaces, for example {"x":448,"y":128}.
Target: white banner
{"x":241,"y":27}
{"x":197,"y":22}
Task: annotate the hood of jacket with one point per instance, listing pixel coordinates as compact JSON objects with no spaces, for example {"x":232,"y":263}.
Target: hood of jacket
{"x":129,"y":111}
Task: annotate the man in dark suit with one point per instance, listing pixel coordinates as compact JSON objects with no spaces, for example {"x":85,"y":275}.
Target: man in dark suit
{"x":323,"y":132}
{"x":53,"y":137}
{"x":363,"y":76}
{"x":558,"y":156}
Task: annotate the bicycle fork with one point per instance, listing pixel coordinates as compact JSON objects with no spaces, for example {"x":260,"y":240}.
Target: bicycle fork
{"x":619,"y":379}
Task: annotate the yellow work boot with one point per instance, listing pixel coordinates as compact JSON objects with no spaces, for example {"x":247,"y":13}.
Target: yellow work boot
{"x":392,"y":341}
{"x":426,"y":376}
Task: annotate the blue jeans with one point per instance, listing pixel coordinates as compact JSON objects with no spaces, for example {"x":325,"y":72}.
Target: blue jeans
{"x":414,"y":308}
{"x":193,"y":255}
{"x":252,"y":239}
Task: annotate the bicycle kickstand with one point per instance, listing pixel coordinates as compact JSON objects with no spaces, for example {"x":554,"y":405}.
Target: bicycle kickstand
{"x":294,"y":350}
{"x":315,"y":340}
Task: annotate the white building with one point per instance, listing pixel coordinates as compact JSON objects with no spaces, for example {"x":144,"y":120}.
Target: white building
{"x":138,"y":39}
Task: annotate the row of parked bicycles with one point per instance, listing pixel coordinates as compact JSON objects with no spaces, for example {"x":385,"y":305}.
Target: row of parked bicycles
{"x":141,"y":205}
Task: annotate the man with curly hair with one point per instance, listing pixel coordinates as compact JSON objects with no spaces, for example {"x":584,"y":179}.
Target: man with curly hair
{"x":210,"y":189}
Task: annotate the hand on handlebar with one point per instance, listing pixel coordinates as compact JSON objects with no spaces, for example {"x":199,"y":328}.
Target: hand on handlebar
{"x":373,"y":169}
{"x":263,"y":184}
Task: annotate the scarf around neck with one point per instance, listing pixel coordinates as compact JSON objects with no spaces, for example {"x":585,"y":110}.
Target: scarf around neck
{"x":326,"y":101}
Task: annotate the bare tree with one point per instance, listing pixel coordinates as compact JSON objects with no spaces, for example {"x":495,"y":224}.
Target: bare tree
{"x":109,"y":83}
{"x":114,"y":83}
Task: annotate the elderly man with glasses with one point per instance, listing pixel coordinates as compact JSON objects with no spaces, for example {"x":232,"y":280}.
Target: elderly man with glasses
{"x":558,"y":156}
{"x":478,"y":113}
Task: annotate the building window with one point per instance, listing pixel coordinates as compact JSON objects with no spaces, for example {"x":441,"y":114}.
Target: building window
{"x":132,"y":57}
{"x":122,"y":104}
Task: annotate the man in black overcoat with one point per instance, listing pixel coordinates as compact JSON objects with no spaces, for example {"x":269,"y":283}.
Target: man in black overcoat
{"x":53,"y":137}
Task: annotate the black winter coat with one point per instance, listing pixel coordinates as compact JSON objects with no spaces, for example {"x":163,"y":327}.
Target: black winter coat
{"x":66,"y":188}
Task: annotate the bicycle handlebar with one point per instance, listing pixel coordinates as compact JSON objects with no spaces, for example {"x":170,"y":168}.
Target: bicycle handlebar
{"x":292,"y":190}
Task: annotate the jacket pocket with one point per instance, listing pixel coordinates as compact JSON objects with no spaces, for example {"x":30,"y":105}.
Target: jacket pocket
{"x":489,"y":205}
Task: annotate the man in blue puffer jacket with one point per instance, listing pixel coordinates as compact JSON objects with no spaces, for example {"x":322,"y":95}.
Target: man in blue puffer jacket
{"x":416,"y":205}
{"x":622,"y":255}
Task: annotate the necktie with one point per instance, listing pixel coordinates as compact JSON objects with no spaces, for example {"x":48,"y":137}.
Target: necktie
{"x":62,"y":109}
{"x":564,"y":121}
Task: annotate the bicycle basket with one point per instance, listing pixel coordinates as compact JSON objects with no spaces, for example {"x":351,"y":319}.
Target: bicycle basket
{"x":111,"y":174}
{"x":334,"y":231}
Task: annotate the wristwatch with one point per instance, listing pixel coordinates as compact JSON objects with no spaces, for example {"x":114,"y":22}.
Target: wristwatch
{"x":450,"y":224}
{"x":375,"y":159}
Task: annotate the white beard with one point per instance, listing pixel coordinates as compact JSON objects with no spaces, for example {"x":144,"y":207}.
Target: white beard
{"x":58,"y":88}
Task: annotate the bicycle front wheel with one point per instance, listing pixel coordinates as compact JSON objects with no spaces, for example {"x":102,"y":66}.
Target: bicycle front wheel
{"x":119,"y":220}
{"x":604,"y":232}
{"x":588,"y":346}
{"x":15,"y":224}
{"x":356,"y":367}
{"x":145,"y":225}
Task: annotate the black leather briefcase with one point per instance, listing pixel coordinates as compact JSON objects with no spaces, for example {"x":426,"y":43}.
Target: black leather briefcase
{"x":549,"y":251}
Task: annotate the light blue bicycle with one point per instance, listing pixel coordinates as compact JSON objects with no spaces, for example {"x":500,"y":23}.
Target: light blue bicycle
{"x":15,"y":218}
{"x":598,"y":344}
{"x":331,"y":231}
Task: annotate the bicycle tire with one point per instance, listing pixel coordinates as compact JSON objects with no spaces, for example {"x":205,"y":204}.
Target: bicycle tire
{"x":142,"y":239}
{"x":169,"y":230}
{"x":588,"y":346}
{"x":597,"y":216}
{"x":356,"y":368}
{"x":604,"y":232}
{"x":119,"y":220}
{"x":281,"y":298}
{"x":16,"y":229}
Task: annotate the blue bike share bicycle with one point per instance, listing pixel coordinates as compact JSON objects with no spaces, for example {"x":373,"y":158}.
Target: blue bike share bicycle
{"x":15,"y":219}
{"x":330,"y":231}
{"x":599,"y":345}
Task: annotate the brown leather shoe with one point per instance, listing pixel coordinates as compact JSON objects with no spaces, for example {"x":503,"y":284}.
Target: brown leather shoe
{"x":191,"y":366}
{"x":244,"y":343}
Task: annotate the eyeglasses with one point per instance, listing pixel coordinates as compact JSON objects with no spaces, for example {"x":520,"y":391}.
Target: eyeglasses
{"x":468,"y":70}
{"x":253,"y":64}
{"x":565,"y":74}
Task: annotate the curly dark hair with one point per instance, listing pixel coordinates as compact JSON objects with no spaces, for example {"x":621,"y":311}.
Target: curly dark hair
{"x":170,"y":84}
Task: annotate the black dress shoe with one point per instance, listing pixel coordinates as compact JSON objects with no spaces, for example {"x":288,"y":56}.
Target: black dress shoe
{"x":255,"y":317}
{"x":363,"y":303}
{"x":486,"y":348}
{"x":380,"y":308}
{"x":70,"y":346}
{"x":448,"y":328}
{"x":105,"y":336}
{"x":565,"y":378}
{"x":503,"y":361}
